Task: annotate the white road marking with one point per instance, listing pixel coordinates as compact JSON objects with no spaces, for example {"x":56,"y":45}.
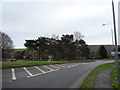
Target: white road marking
{"x":84,"y":63}
{"x":61,"y":66}
{"x":70,"y":66}
{"x":48,"y":68}
{"x":67,"y":65}
{"x":27,"y":71}
{"x":40,"y":73}
{"x":55,"y":67}
{"x":13,"y":74}
{"x":75,"y":65}
{"x":39,"y":69}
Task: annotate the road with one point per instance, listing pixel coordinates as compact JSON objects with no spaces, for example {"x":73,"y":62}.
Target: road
{"x":48,"y":76}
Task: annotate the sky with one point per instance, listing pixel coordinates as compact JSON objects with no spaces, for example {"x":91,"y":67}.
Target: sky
{"x":30,"y":19}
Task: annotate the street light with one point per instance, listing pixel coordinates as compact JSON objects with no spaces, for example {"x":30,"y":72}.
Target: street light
{"x":111,"y":32}
{"x":116,"y":47}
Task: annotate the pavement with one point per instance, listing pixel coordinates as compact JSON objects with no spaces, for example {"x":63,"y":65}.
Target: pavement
{"x":104,"y":79}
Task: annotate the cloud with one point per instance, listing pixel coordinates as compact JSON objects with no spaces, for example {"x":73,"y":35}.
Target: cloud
{"x":23,"y":20}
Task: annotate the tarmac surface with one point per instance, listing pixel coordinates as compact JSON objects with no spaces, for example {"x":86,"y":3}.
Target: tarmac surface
{"x":104,"y":79}
{"x":48,"y":76}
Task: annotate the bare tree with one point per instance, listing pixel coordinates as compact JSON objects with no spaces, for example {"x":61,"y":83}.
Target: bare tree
{"x":77,"y":38}
{"x":54,"y":36}
{"x":78,"y":35}
{"x":7,"y":43}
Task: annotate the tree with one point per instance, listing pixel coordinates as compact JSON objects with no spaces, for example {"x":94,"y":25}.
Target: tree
{"x":42,"y":44}
{"x":60,"y":49}
{"x":78,"y":38}
{"x":77,"y":35}
{"x":39,"y":47}
{"x":102,"y":52}
{"x":54,"y":36}
{"x":83,"y":50}
{"x":6,"y":45}
{"x":31,"y":45}
{"x":68,"y":47}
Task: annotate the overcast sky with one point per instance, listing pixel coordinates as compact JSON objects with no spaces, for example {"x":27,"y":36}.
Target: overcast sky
{"x":30,"y":20}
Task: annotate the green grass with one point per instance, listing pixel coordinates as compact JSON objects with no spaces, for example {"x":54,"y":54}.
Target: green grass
{"x":0,"y":65}
{"x":33,"y":63}
{"x":105,"y":59}
{"x":88,"y":82}
{"x":114,"y":81}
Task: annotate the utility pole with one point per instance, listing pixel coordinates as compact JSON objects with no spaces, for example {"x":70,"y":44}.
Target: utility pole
{"x":116,"y":47}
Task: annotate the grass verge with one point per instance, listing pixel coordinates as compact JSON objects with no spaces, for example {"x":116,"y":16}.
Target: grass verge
{"x":33,"y":63}
{"x":114,"y":81}
{"x":88,"y":82}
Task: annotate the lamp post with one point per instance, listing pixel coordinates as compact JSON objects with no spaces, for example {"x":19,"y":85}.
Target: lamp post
{"x":116,"y":47}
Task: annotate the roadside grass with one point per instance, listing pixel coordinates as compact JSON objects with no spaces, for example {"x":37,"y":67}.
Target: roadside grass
{"x":0,"y":65}
{"x":105,"y":59}
{"x":33,"y":63}
{"x":114,"y":81}
{"x":89,"y":81}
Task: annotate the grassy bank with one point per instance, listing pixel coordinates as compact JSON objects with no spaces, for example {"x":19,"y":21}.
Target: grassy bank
{"x":114,"y":81}
{"x":88,"y":82}
{"x":33,"y":63}
{"x":105,"y":59}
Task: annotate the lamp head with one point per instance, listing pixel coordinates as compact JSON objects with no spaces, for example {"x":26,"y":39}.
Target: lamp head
{"x":103,"y":24}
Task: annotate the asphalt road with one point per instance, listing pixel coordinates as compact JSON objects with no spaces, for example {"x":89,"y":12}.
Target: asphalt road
{"x":48,"y":76}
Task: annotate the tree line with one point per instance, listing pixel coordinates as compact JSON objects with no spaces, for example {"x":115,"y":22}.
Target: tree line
{"x":68,"y":47}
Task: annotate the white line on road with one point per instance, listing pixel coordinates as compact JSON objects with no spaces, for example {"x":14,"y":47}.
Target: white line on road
{"x":55,"y":67}
{"x":84,"y":63}
{"x":70,"y":66}
{"x":48,"y":68}
{"x":61,"y":66}
{"x":39,"y":69}
{"x":13,"y":74}
{"x":75,"y":65}
{"x":27,"y":71}
{"x":40,"y":73}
